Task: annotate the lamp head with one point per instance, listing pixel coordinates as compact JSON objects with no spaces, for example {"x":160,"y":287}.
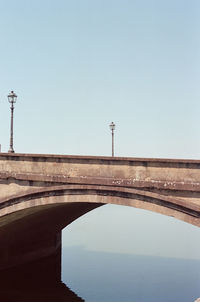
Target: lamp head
{"x":12,"y":97}
{"x":112,"y":126}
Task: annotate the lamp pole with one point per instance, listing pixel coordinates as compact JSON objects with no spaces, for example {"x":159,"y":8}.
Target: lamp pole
{"x":112,"y":128}
{"x":12,"y":97}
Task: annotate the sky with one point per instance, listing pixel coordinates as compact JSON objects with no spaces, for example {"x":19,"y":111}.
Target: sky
{"x":78,"y":65}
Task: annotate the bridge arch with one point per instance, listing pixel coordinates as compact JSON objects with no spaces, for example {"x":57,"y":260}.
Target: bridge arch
{"x":41,"y":194}
{"x":83,"y":198}
{"x":31,"y":223}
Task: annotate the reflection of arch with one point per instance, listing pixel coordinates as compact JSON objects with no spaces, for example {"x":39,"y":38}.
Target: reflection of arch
{"x":18,"y":284}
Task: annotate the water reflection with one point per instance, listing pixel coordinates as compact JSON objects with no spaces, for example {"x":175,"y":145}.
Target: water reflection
{"x":56,"y":293}
{"x":32,"y":283}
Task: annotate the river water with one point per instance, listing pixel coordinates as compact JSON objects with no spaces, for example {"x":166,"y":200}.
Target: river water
{"x":107,"y":277}
{"x":110,"y":277}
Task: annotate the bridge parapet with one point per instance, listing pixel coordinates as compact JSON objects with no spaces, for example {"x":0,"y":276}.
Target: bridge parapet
{"x":131,"y":172}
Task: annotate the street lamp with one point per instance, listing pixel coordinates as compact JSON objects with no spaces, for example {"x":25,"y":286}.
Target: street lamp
{"x":12,"y":97}
{"x":112,"y":128}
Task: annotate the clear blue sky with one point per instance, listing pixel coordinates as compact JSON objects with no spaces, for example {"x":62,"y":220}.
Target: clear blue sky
{"x":78,"y":65}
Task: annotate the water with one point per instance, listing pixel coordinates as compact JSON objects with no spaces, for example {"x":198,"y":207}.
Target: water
{"x":104,"y":277}
{"x":110,"y":277}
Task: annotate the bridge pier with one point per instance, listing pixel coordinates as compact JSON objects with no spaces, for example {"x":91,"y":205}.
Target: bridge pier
{"x":43,"y":272}
{"x":33,"y":275}
{"x":33,"y":261}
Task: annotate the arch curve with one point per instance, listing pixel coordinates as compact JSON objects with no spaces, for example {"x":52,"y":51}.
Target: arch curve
{"x":96,"y":195}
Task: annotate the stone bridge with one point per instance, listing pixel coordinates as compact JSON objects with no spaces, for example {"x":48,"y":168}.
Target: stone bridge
{"x":41,"y":194}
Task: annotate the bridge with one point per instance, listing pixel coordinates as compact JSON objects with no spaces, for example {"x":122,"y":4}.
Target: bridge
{"x":42,"y":194}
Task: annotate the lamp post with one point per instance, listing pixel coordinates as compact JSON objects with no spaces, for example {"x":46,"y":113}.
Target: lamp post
{"x":112,"y":128}
{"x":12,"y":97}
